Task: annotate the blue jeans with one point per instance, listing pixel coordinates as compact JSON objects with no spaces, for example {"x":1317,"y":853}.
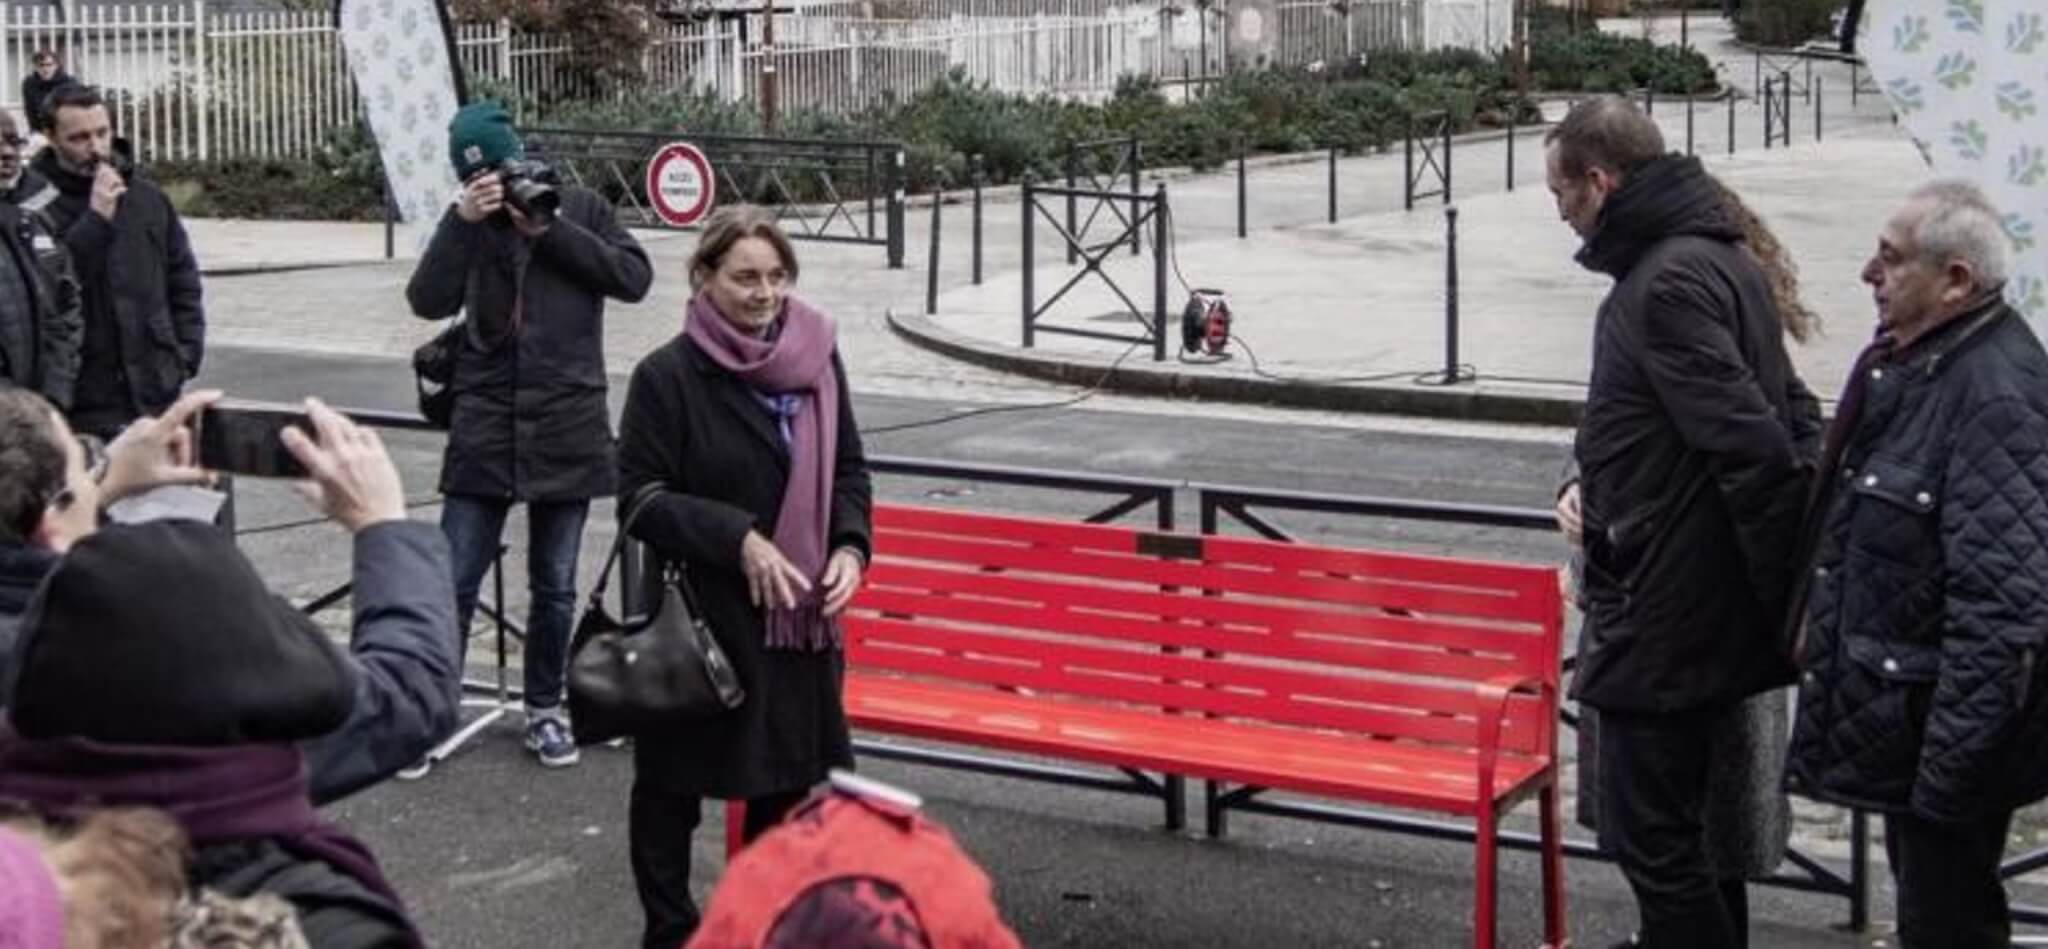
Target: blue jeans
{"x":554,"y":536}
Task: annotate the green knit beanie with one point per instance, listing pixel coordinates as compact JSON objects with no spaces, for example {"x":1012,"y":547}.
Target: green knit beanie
{"x":480,"y":137}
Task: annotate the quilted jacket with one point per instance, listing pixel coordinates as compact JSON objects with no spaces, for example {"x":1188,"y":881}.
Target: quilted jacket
{"x":1928,"y":596}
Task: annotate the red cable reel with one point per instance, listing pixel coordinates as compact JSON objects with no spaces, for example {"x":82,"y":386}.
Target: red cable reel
{"x":1205,"y":323}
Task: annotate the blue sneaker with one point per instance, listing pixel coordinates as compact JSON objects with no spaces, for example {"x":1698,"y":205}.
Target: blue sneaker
{"x":548,"y":737}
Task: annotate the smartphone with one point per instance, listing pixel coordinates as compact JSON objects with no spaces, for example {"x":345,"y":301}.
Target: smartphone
{"x":247,"y":439}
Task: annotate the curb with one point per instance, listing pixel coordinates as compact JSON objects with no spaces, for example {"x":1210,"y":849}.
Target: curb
{"x":259,"y":269}
{"x":1479,"y":402}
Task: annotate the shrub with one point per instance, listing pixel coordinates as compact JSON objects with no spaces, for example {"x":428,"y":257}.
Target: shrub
{"x":1784,"y":22}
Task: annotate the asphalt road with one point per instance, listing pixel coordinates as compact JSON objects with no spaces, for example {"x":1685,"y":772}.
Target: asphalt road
{"x":493,"y":851}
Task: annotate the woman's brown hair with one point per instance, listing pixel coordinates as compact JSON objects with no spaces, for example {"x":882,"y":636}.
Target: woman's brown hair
{"x":1799,"y":322}
{"x":728,"y":226}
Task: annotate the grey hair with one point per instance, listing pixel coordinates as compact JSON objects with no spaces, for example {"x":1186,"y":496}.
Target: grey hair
{"x":1961,"y":223}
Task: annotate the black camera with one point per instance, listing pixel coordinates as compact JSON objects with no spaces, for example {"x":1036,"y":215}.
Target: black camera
{"x":531,"y":187}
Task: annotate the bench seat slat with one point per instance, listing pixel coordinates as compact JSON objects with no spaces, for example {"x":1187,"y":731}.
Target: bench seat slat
{"x":1333,"y":765}
{"x":1303,"y":696}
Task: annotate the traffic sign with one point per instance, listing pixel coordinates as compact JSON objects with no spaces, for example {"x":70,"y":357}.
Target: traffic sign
{"x":680,"y":186}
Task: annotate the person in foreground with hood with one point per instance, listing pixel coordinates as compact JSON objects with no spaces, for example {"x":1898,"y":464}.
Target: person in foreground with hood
{"x":55,"y":487}
{"x":156,"y":670}
{"x":1694,"y":459}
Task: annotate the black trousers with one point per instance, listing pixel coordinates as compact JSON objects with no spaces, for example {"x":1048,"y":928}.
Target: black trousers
{"x":659,"y":825}
{"x":1654,"y":773}
{"x":1950,"y":895}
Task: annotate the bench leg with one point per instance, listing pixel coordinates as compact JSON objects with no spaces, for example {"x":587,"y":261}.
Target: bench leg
{"x":1175,"y":790}
{"x":1218,"y":815}
{"x":1484,"y":865}
{"x":1553,"y":869}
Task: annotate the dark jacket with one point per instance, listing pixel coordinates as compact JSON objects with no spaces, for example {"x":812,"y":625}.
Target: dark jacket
{"x":700,"y":432}
{"x":530,"y":420}
{"x":42,"y":324}
{"x":145,"y":321}
{"x":1694,"y":456}
{"x":402,"y":653}
{"x":407,"y":665}
{"x":22,"y":569}
{"x":35,"y":90}
{"x":1928,"y":604}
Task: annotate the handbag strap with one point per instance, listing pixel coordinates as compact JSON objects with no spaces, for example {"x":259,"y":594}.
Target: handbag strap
{"x":635,"y":506}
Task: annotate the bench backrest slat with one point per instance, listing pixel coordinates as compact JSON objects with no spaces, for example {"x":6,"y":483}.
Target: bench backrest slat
{"x":1388,"y":645}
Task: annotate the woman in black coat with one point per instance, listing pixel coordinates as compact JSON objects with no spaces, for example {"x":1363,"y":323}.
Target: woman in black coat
{"x":744,"y":423}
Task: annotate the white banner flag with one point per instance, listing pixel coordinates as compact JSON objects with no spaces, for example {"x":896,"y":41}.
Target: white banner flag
{"x":398,"y":53}
{"x":1969,"y":78}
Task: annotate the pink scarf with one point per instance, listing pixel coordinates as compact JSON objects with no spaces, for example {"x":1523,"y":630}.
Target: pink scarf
{"x":796,"y":360}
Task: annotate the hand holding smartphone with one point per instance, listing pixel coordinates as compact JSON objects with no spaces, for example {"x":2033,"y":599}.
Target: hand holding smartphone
{"x":247,"y":438}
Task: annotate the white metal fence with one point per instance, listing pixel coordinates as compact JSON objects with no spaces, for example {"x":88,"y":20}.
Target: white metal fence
{"x":187,"y":82}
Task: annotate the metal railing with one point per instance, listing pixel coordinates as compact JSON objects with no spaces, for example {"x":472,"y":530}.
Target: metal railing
{"x":1152,"y":213}
{"x":1102,"y":166}
{"x":821,"y":190}
{"x":1432,"y":131}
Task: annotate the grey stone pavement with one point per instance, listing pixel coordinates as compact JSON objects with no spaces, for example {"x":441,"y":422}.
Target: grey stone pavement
{"x":495,"y":853}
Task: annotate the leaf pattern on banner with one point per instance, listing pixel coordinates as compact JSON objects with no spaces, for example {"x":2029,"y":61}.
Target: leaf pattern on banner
{"x":1970,"y":78}
{"x":2025,"y":34}
{"x":1969,"y":139}
{"x":1967,"y":16}
{"x":2015,"y":100}
{"x":2026,"y":167}
{"x":1905,"y":94}
{"x":397,"y":53}
{"x":1955,"y":70}
{"x":2020,"y":230}
{"x":1910,"y":35}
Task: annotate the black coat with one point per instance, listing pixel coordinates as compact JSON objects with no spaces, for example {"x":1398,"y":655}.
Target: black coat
{"x":35,"y":90}
{"x":140,"y":285}
{"x":1694,"y":456}
{"x":530,"y":420}
{"x":42,"y":324}
{"x":698,"y":431}
{"x":1928,"y":605}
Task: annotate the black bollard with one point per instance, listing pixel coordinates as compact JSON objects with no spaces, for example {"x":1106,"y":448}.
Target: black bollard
{"x":1159,"y":265}
{"x":390,"y":226}
{"x":931,"y":280}
{"x":1030,"y":207}
{"x":1073,"y":206}
{"x":1730,"y":96}
{"x":1333,"y":184}
{"x":1512,"y":110}
{"x":1240,"y":189}
{"x":1688,"y":122}
{"x":979,"y":175}
{"x":1451,"y":294}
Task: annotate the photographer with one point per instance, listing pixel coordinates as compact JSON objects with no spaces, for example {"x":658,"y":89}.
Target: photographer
{"x":145,"y":327}
{"x":531,"y":264}
{"x":54,"y":486}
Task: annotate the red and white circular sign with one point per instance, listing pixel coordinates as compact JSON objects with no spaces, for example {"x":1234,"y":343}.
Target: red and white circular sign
{"x":680,"y":186}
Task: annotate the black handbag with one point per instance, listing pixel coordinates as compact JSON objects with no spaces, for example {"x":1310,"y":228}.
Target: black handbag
{"x":433,"y":371}
{"x":661,"y":669}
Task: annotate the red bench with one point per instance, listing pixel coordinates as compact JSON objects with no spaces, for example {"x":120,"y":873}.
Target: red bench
{"x":1412,"y":682}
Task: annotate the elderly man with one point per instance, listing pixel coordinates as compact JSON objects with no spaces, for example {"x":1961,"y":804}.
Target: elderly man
{"x":1928,"y":605}
{"x":41,"y":323}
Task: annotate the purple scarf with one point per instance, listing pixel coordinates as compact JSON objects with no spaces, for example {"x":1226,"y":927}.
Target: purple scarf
{"x":218,"y":795}
{"x":796,"y":360}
